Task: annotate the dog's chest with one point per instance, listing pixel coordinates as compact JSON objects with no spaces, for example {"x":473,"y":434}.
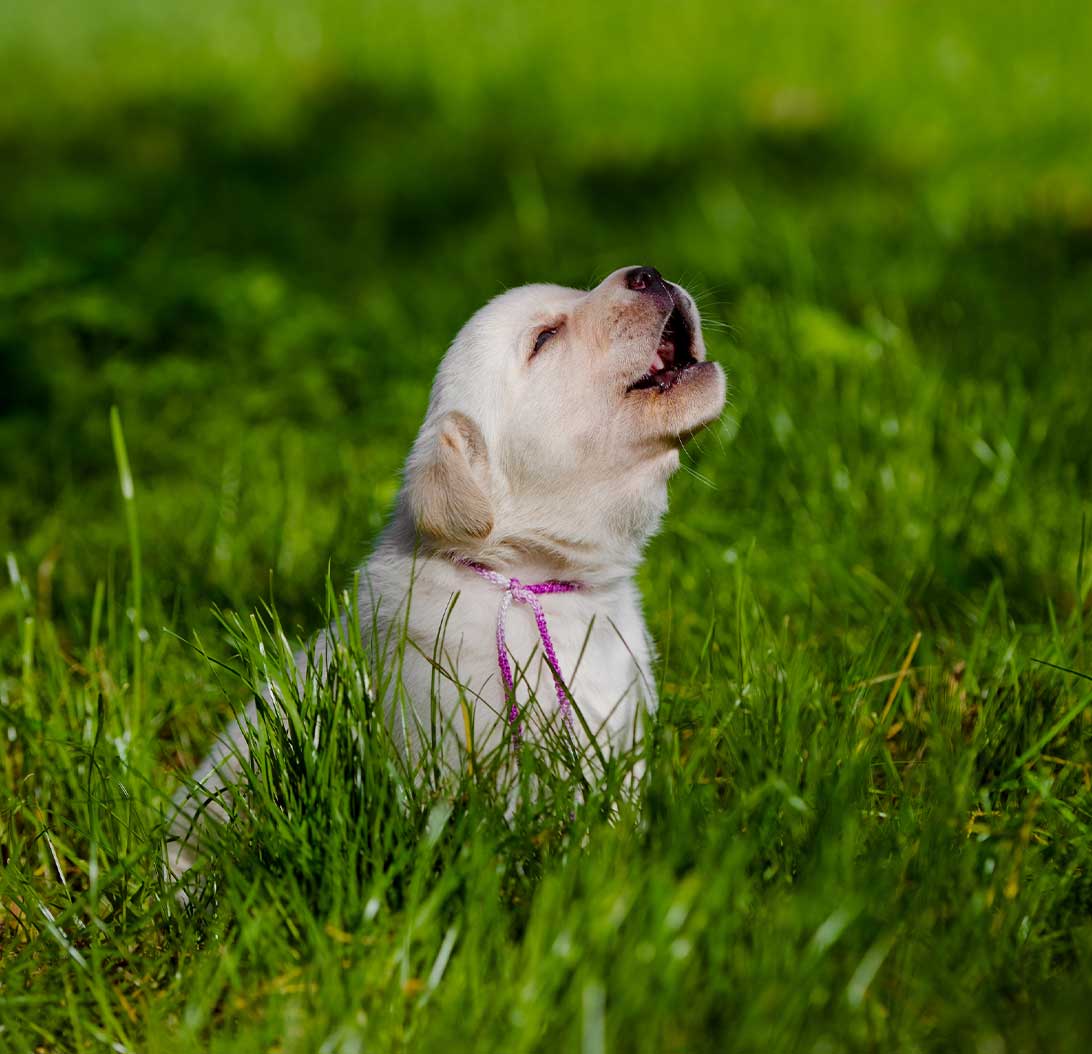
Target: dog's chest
{"x":600,"y":638}
{"x":603,"y":656}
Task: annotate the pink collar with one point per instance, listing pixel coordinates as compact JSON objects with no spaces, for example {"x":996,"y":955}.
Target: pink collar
{"x":515,"y":590}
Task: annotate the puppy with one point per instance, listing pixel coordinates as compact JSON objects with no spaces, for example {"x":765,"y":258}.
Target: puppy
{"x":540,"y":472}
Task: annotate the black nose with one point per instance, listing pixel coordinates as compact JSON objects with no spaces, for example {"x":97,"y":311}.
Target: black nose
{"x":644,"y":279}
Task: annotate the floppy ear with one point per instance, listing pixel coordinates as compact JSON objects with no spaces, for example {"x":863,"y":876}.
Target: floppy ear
{"x":446,"y":482}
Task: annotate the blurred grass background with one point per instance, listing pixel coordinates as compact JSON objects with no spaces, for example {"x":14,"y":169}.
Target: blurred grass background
{"x":247,"y":220}
{"x":254,"y":227}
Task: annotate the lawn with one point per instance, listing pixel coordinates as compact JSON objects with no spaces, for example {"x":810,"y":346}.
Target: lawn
{"x":235,"y":239}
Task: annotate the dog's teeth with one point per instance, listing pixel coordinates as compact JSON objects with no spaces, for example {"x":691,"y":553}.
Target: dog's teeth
{"x":657,"y":363}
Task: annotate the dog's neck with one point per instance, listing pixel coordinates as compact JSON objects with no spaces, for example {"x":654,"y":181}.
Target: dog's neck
{"x":589,"y":526}
{"x":530,"y":557}
{"x":588,"y":541}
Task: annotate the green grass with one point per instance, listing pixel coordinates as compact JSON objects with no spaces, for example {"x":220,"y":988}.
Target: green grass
{"x":253,"y":228}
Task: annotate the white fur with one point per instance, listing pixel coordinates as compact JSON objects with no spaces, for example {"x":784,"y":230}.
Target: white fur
{"x":539,"y":467}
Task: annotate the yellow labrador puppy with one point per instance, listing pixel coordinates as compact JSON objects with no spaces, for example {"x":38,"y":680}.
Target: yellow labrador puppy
{"x":539,"y":474}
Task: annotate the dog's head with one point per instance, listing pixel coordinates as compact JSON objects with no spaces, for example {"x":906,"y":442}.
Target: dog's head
{"x":557,"y":417}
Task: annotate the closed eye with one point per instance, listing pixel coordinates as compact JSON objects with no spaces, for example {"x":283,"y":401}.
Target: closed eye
{"x":542,"y":338}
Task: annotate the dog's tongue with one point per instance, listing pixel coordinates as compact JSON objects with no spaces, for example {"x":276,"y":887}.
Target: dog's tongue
{"x":665,"y":354}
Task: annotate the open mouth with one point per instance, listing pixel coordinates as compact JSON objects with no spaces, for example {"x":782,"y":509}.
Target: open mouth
{"x":673,"y":355}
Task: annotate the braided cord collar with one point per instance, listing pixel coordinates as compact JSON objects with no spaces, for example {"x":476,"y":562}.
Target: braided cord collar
{"x":518,"y":592}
